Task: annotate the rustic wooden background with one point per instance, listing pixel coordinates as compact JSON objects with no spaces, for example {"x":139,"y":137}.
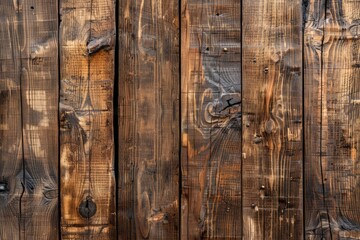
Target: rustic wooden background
{"x":169,"y":119}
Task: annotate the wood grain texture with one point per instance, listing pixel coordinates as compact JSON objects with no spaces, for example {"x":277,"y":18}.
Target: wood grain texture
{"x":29,"y":90}
{"x":272,"y":120}
{"x":211,"y":119}
{"x":332,"y":90}
{"x":39,"y":89}
{"x":87,"y":39}
{"x":148,"y":186}
{"x":11,"y":163}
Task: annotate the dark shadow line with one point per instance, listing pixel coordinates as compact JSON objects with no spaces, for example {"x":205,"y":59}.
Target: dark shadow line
{"x":242,"y":118}
{"x":180,"y":119}
{"x":303,"y":15}
{"x":59,"y":116}
{"x":116,"y":114}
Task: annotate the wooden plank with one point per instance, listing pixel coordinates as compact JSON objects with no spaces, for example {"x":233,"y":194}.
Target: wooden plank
{"x":87,"y":39}
{"x":39,"y":93}
{"x":316,"y":218}
{"x":211,"y":119}
{"x":11,"y":163}
{"x":272,"y":119}
{"x":29,"y":151}
{"x":148,"y":186}
{"x":332,"y":119}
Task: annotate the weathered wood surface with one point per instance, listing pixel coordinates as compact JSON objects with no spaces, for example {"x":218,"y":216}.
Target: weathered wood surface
{"x":211,"y":119}
{"x":11,"y":153}
{"x":148,"y":186}
{"x":29,"y":129}
{"x":39,"y":94}
{"x":87,"y":43}
{"x":332,"y":127}
{"x":270,"y":97}
{"x":272,"y":120}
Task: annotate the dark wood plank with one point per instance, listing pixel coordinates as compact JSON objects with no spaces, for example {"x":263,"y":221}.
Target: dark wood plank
{"x":29,"y":113}
{"x":148,"y":186}
{"x":316,"y":218}
{"x":39,"y":89}
{"x":272,"y":120}
{"x":87,"y":39}
{"x":332,"y":90}
{"x":11,"y":163}
{"x":211,"y":119}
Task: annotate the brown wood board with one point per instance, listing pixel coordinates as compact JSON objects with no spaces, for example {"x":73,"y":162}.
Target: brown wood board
{"x":272,"y":120}
{"x":87,"y":44}
{"x":332,"y":86}
{"x":29,"y":132}
{"x":148,"y":184}
{"x":211,"y":119}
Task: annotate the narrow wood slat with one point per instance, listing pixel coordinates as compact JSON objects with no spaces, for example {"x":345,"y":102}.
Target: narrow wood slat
{"x":332,"y":93}
{"x":87,"y":39}
{"x":211,"y":119}
{"x":148,"y":185}
{"x":272,"y":120}
{"x":39,"y":89}
{"x":11,"y":164}
{"x":29,"y":129}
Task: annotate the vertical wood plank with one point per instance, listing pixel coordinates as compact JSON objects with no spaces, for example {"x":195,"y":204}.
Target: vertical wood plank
{"x":211,"y":119}
{"x":332,"y":119}
{"x":87,"y":39}
{"x":316,"y":217}
{"x":39,"y":90}
{"x":148,"y":186}
{"x":272,"y":120}
{"x":29,"y":90}
{"x":11,"y":163}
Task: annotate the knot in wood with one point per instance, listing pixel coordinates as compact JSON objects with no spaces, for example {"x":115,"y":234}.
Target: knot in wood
{"x":270,"y":126}
{"x":87,"y":208}
{"x":257,"y":139}
{"x":355,"y":28}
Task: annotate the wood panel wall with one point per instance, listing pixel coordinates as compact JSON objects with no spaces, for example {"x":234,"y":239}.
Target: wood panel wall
{"x":179,"y":119}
